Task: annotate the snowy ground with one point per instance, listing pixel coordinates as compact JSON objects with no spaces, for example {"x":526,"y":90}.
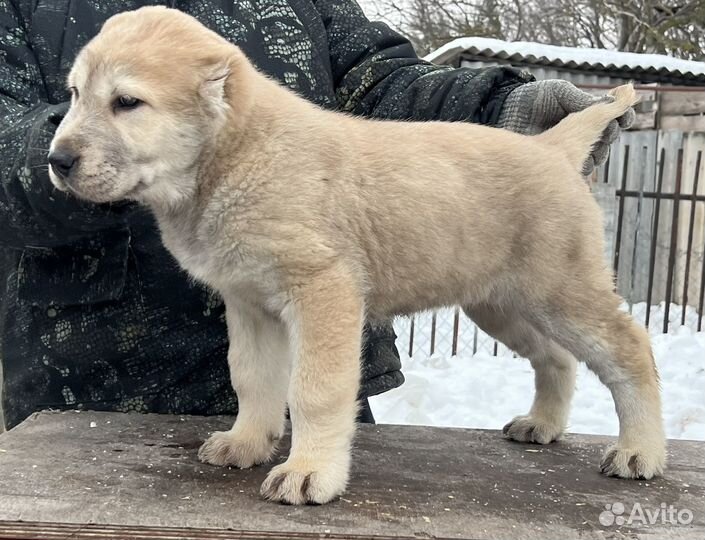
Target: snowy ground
{"x":484,"y":391}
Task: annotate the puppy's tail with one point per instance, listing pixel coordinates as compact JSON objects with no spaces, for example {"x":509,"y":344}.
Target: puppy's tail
{"x":578,"y":132}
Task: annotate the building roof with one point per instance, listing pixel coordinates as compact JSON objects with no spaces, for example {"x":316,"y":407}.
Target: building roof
{"x":584,"y":59}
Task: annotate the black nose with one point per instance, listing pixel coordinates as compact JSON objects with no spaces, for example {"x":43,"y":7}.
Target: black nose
{"x":61,"y":162}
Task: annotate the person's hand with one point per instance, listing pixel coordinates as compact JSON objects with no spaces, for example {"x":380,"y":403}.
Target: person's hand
{"x":538,"y":106}
{"x":42,"y":131}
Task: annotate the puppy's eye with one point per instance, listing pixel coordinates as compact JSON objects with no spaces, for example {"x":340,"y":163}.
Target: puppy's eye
{"x":126,"y":102}
{"x":74,"y":92}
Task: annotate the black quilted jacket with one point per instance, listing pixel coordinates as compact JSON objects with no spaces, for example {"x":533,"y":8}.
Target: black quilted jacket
{"x":94,"y":313}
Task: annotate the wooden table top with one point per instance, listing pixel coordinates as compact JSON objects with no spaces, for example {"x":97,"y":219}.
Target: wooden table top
{"x":113,"y":475}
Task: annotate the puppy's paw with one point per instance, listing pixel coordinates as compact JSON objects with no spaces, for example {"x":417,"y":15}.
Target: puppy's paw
{"x":636,"y":463}
{"x":532,"y":430}
{"x":304,"y":482}
{"x":234,"y":448}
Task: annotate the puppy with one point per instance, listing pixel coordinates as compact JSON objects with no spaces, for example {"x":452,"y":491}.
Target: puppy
{"x":308,"y":221}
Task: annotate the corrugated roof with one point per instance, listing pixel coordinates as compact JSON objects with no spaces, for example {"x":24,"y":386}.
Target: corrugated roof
{"x":570,"y":57}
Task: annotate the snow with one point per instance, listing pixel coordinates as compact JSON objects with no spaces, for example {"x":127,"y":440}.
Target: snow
{"x":578,"y":55}
{"x":484,"y":391}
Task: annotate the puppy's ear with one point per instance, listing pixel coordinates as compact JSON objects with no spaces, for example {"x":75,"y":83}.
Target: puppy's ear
{"x":214,"y":87}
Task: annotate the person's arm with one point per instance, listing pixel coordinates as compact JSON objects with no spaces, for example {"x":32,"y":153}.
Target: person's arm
{"x":32,"y":212}
{"x":538,"y":106}
{"x":378,"y":74}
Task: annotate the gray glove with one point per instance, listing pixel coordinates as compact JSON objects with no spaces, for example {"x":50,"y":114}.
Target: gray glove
{"x":538,"y":106}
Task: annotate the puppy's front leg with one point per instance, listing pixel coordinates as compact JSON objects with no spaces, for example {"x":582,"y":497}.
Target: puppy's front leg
{"x":325,"y":321}
{"x":259,"y":360}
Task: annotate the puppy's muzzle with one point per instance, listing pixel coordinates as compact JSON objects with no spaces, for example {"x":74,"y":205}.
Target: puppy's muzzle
{"x":62,"y":162}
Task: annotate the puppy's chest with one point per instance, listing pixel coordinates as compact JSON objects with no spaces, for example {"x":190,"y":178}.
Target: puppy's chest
{"x":227,"y":263}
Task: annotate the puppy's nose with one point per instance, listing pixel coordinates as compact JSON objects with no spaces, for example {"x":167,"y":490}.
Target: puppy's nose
{"x":62,"y":161}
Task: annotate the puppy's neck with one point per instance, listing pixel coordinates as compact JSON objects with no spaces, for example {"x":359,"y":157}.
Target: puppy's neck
{"x":226,"y":129}
{"x":257,"y":113}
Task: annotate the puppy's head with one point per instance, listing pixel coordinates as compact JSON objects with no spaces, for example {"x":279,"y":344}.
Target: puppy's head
{"x":149,"y":94}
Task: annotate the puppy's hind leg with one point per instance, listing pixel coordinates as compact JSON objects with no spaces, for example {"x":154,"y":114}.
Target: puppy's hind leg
{"x":554,"y":371}
{"x":589,"y":323}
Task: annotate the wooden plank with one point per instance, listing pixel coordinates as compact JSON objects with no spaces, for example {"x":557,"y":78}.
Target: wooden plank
{"x":648,"y":100}
{"x":140,"y":473}
{"x":20,"y":530}
{"x":692,"y":144}
{"x":638,"y":214}
{"x":608,"y":180}
{"x":632,"y":279}
{"x":683,"y":123}
{"x":679,"y":103}
{"x":644,"y":120}
{"x":671,"y":141}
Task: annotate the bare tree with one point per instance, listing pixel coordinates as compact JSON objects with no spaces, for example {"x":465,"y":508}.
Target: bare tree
{"x":675,"y":27}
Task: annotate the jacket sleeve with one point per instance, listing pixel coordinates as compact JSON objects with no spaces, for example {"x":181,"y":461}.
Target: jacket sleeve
{"x":32,"y":212}
{"x":378,"y":74}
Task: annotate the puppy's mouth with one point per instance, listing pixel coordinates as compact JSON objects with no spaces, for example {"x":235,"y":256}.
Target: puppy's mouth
{"x":66,"y":187}
{"x":59,"y":184}
{"x":133,"y":194}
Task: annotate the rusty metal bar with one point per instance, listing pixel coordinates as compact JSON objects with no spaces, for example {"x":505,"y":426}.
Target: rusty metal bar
{"x":663,"y":196}
{"x":476,"y":330}
{"x":620,"y":213}
{"x":691,"y":232}
{"x":701,"y":304}
{"x":456,"y":331}
{"x":433,"y":333}
{"x":654,"y":238}
{"x":674,"y":240}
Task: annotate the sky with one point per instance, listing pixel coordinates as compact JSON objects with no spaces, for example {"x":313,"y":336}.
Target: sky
{"x":368,"y":6}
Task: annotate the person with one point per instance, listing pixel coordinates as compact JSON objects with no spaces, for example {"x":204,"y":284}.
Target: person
{"x":94,"y":313}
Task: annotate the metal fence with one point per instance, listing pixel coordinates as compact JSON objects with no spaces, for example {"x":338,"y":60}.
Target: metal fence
{"x":681,"y":264}
{"x":653,"y":197}
{"x":652,"y":192}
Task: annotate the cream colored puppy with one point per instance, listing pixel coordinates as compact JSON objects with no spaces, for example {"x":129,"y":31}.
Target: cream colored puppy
{"x":307,"y":221}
